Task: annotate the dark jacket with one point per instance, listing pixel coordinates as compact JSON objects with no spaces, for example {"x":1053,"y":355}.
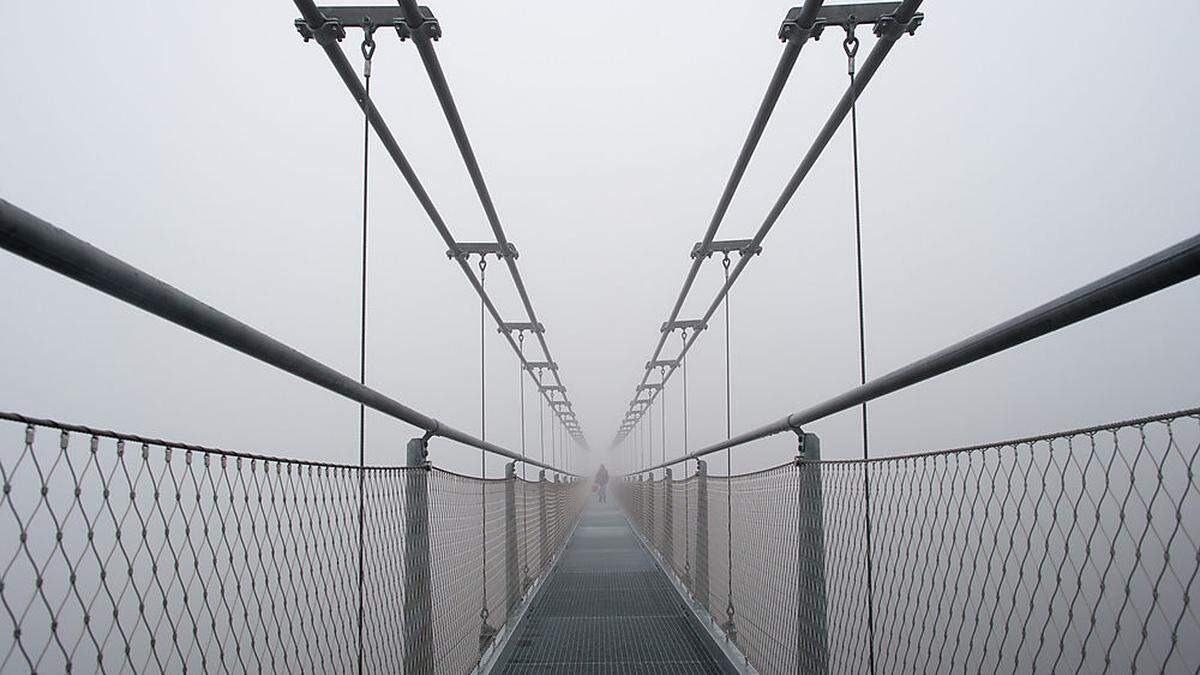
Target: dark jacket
{"x":602,"y":476}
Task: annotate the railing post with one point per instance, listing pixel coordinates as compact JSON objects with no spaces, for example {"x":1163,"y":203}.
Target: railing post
{"x":512,"y":563}
{"x":418,"y":603}
{"x":543,"y":523}
{"x":700,"y":568}
{"x":812,"y":640}
{"x":635,"y":510}
{"x":648,"y":525}
{"x":668,"y":536}
{"x":557,"y":506}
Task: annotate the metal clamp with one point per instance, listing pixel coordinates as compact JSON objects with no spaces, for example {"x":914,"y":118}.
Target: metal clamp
{"x":743,"y":247}
{"x":696,"y":324}
{"x":888,"y":26}
{"x":880,"y":14}
{"x":428,"y":27}
{"x":330,"y":31}
{"x":465,"y":250}
{"x":521,"y":327}
{"x":808,"y":447}
{"x":795,"y":24}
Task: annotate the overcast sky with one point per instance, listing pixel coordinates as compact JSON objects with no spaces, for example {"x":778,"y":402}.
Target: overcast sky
{"x":1009,"y":154}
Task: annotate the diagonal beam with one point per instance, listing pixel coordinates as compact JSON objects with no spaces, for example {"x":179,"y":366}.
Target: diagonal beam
{"x":794,"y":40}
{"x":441,"y":88}
{"x":327,"y":33}
{"x":889,"y":32}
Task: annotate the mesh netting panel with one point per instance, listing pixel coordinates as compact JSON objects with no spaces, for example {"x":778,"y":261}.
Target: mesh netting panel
{"x":132,"y":554}
{"x":1075,"y":552}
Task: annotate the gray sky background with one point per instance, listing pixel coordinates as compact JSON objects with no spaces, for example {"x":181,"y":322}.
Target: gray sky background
{"x":1009,"y":155}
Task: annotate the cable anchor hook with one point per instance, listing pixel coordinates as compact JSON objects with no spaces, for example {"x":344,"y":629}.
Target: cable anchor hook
{"x":368,"y":47}
{"x":850,"y":44}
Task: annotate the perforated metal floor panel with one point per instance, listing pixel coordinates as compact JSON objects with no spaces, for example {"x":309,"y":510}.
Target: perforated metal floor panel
{"x":607,"y":608}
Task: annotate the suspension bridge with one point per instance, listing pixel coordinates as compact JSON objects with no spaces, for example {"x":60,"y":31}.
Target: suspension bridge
{"x":1073,"y":551}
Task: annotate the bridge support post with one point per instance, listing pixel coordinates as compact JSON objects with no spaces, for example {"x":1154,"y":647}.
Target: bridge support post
{"x":556,"y":507}
{"x":418,"y":603}
{"x":512,"y":567}
{"x":648,"y":524}
{"x":700,"y":568}
{"x":636,"y":510}
{"x":812,"y":639}
{"x":668,"y":526}
{"x":543,"y":523}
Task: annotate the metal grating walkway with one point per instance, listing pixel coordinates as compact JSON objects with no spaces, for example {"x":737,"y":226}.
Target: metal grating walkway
{"x":608,"y":608}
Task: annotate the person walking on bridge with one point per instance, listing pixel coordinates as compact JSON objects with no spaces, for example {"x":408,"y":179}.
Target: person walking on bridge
{"x":602,"y":483}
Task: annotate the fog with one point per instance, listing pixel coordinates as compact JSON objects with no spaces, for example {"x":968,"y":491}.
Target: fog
{"x":1008,"y":155}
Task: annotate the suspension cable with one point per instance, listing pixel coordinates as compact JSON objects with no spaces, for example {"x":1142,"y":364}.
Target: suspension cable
{"x":521,"y":387}
{"x":662,"y":373}
{"x":642,"y":445}
{"x":729,"y":611}
{"x":524,"y":492}
{"x":650,"y":433}
{"x":728,"y":416}
{"x":541,"y":418}
{"x":483,"y":611}
{"x":850,"y":46}
{"x":636,"y":457}
{"x":687,"y":506}
{"x":368,"y":51}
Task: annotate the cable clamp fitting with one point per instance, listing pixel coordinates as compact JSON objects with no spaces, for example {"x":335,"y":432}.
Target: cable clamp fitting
{"x":889,"y":27}
{"x":794,"y":24}
{"x":742,"y":247}
{"x":428,"y":27}
{"x":521,"y":327}
{"x":464,"y":250}
{"x":685,"y":325}
{"x":327,"y":33}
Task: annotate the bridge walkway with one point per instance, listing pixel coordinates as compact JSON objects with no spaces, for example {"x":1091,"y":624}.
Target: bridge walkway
{"x":608,"y":608}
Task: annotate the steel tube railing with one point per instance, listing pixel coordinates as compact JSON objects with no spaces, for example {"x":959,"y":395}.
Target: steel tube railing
{"x":315,"y":20}
{"x":1166,"y":268}
{"x":904,"y":13}
{"x":32,"y":238}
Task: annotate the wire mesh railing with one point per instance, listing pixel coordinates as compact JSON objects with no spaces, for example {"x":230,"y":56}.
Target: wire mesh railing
{"x":131,"y":554}
{"x":1074,"y":552}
